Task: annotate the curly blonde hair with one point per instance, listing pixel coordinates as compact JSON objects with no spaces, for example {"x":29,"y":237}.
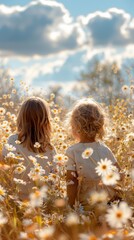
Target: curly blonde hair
{"x":88,"y":119}
{"x":33,"y":124}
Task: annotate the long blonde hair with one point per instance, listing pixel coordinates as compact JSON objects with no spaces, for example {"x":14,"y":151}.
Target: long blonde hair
{"x":33,"y":124}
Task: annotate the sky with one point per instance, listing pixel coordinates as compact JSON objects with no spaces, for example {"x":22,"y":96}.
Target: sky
{"x":44,"y":42}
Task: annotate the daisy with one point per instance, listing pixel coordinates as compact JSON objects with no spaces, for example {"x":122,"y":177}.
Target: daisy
{"x":10,"y":147}
{"x":23,"y":235}
{"x":72,"y":219}
{"x":20,"y":169}
{"x":19,"y":181}
{"x":32,"y":159}
{"x":118,"y":215}
{"x":98,"y":197}
{"x":111,"y":178}
{"x":2,"y":111}
{"x":37,"y":145}
{"x":2,"y":193}
{"x":45,"y":233}
{"x":10,"y":155}
{"x":104,"y":167}
{"x":87,"y":153}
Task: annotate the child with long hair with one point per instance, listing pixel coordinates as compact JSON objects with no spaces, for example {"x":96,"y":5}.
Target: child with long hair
{"x":87,"y":120}
{"x":32,"y":142}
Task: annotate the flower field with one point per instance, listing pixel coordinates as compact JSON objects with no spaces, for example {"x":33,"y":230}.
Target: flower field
{"x":46,"y":214}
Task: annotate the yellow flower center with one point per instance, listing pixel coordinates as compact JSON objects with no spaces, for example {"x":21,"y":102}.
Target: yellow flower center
{"x":119,"y":214}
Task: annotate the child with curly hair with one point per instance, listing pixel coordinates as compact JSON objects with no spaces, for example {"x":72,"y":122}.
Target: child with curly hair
{"x":87,"y":120}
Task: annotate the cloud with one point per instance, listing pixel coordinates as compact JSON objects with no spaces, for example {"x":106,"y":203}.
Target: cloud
{"x":109,"y":34}
{"x":38,"y":69}
{"x":114,"y":27}
{"x":38,"y":29}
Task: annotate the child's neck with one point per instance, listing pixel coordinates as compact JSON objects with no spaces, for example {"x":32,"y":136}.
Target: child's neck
{"x":86,"y":140}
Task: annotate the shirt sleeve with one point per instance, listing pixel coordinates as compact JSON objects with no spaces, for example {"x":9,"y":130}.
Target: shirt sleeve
{"x":71,"y":165}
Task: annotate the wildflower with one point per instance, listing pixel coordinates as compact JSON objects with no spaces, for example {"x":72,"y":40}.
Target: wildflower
{"x":10,"y":155}
{"x":98,"y":197}
{"x":58,"y":158}
{"x":87,"y":153}
{"x":32,"y":159}
{"x":18,"y":142}
{"x":111,"y":178}
{"x":72,"y":219}
{"x":36,"y":172}
{"x":23,"y":235}
{"x":45,"y":233}
{"x":2,"y":111}
{"x":37,"y":145}
{"x":14,"y":91}
{"x":27,"y":222}
{"x":19,"y":181}
{"x":20,"y":169}
{"x":41,"y":156}
{"x":125,"y":88}
{"x":10,"y":147}
{"x":118,"y":215}
{"x":104,"y":167}
{"x":3,"y":219}
{"x":2,"y":193}
{"x":36,"y":198}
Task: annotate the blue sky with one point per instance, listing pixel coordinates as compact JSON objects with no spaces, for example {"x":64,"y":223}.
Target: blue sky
{"x":43,"y":42}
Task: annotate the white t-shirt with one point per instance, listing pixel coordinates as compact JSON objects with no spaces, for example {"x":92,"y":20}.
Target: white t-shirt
{"x":25,"y":153}
{"x":85,"y":168}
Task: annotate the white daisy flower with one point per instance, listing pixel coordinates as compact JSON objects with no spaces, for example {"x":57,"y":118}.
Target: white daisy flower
{"x":10,"y":147}
{"x":111,"y":178}
{"x":27,"y":222}
{"x":18,"y":142}
{"x":72,"y":219}
{"x":118,"y":215}
{"x":20,"y":169}
{"x":19,"y":181}
{"x":2,"y":111}
{"x":104,"y":167}
{"x":87,"y":153}
{"x":37,"y":145}
{"x":2,"y":193}
{"x":32,"y":159}
{"x":23,"y":235}
{"x":98,"y":197}
{"x":45,"y":233}
{"x":10,"y":155}
{"x":36,"y":198}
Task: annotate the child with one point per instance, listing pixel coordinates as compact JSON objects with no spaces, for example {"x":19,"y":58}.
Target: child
{"x":87,"y":120}
{"x":32,"y":142}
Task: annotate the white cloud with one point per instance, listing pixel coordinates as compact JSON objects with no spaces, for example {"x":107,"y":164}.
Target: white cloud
{"x":40,"y":28}
{"x":109,"y":33}
{"x":34,"y":70}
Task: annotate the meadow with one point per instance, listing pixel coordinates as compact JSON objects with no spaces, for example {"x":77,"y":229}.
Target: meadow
{"x":46,"y":215}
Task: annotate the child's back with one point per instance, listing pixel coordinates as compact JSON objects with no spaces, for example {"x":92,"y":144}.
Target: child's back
{"x":32,"y":143}
{"x":87,"y":121}
{"x":85,"y":168}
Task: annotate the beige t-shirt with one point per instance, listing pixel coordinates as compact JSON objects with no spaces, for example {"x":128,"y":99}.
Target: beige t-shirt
{"x":46,"y":163}
{"x":85,"y":168}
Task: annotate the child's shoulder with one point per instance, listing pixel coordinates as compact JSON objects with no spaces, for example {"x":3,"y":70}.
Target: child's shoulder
{"x":71,"y":150}
{"x":12,"y":138}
